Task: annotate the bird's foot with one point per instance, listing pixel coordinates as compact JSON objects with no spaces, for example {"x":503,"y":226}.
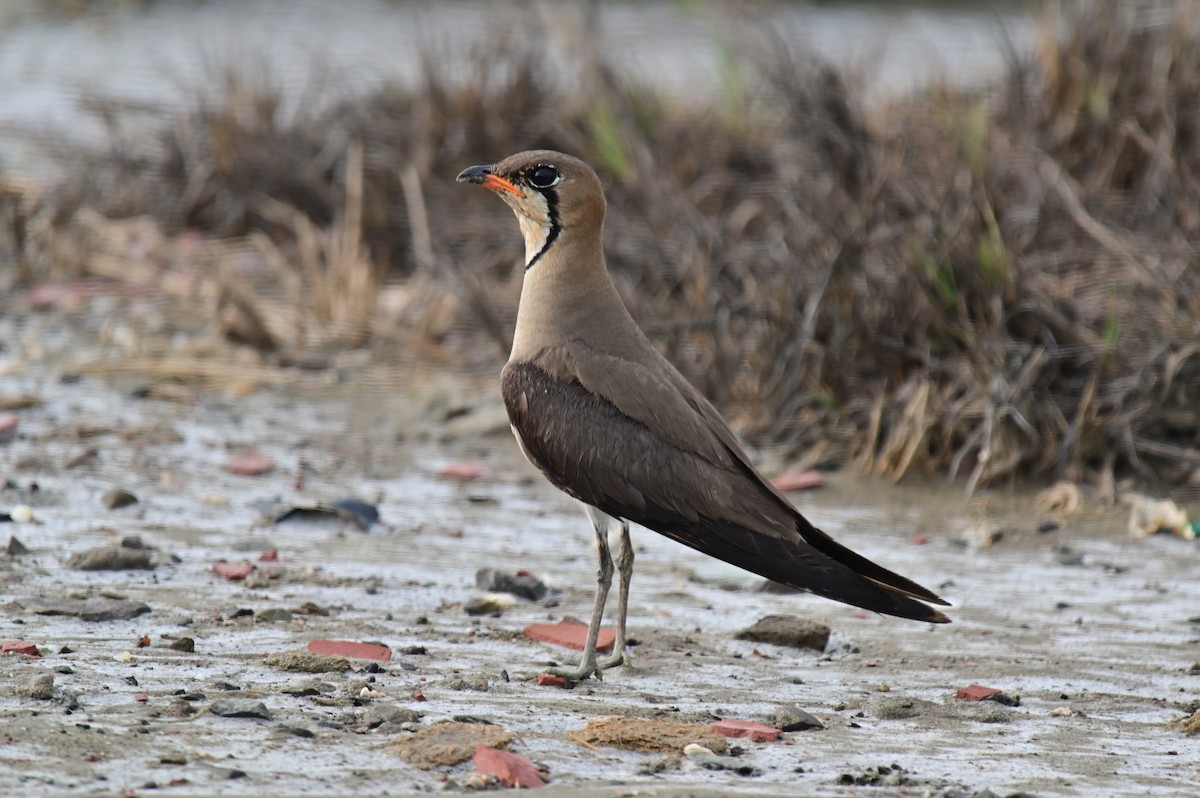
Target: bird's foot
{"x":585,"y":668}
{"x":619,"y":658}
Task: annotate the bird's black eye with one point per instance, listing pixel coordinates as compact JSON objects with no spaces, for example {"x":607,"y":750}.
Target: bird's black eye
{"x":544,"y":177}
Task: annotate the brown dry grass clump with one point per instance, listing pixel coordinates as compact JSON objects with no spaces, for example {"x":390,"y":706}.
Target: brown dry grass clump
{"x":992,"y":284}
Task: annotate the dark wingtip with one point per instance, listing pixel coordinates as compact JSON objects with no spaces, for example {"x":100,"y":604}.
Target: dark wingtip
{"x":474,"y":174}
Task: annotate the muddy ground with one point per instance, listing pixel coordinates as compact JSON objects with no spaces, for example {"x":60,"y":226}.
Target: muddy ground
{"x":1094,"y":631}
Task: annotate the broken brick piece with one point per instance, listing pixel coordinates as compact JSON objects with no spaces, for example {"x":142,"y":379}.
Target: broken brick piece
{"x":757,"y":732}
{"x":351,"y":649}
{"x":799,"y":480}
{"x":551,"y":680}
{"x":569,"y":635}
{"x":19,"y":647}
{"x":512,"y":769}
{"x":233,"y":571}
{"x":975,"y":692}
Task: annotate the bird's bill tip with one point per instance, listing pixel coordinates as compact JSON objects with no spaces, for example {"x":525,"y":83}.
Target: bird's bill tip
{"x":483,"y":176}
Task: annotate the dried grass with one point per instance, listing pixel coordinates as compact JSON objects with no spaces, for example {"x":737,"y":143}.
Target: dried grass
{"x":997,"y":284}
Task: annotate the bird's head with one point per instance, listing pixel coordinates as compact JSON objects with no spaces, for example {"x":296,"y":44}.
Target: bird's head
{"x":550,"y":192}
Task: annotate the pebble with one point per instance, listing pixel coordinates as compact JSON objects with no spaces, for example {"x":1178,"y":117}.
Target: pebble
{"x":240,"y":708}
{"x":898,"y":707}
{"x":787,"y":630}
{"x":15,"y":547}
{"x":493,"y":604}
{"x":250,"y":464}
{"x":790,"y":718}
{"x":708,"y":760}
{"x":36,"y":685}
{"x":521,"y":584}
{"x":273,"y":615}
{"x":115,"y":498}
{"x":449,"y":743}
{"x":185,"y":644}
{"x":131,"y":554}
{"x":388,"y":715}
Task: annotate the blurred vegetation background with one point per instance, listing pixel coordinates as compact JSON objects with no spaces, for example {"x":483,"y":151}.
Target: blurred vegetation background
{"x":996,"y":282}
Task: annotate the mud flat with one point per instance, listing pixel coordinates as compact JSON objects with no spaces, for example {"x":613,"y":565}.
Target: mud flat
{"x":1090,"y":635}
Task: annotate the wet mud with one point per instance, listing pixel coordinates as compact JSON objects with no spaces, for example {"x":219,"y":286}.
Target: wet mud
{"x":174,"y":631}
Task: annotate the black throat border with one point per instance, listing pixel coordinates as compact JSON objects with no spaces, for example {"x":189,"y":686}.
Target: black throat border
{"x":555,"y":226}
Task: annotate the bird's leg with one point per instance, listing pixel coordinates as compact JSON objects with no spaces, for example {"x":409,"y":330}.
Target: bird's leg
{"x":624,"y":560}
{"x":604,"y":574}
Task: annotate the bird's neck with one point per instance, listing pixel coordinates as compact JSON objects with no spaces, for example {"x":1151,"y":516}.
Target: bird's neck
{"x":568,"y":295}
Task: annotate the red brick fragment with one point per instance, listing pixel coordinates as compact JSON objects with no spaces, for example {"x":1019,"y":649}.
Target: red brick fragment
{"x":233,"y":571}
{"x":418,"y":694}
{"x":512,"y":769}
{"x":920,"y":539}
{"x":19,"y":647}
{"x":349,"y":648}
{"x":551,"y":680}
{"x":143,"y":641}
{"x":569,"y":635}
{"x":747,"y":728}
{"x":799,"y":480}
{"x":8,"y":426}
{"x":975,"y":692}
{"x":464,"y":471}
{"x":250,"y":464}
{"x":270,"y":555}
{"x":141,"y":698}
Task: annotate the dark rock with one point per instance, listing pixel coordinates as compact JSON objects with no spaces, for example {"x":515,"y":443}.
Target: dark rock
{"x":523,"y":585}
{"x":89,"y":609}
{"x":185,"y":644}
{"x":15,"y":547}
{"x":487,"y":605}
{"x":791,"y":718}
{"x":787,"y":630}
{"x":240,"y":708}
{"x":116,"y":498}
{"x":388,"y":715}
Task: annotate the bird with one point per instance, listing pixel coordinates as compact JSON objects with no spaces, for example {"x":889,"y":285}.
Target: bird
{"x":611,"y":422}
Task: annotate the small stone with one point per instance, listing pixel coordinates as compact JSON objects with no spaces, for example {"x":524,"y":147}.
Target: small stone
{"x":493,"y":604}
{"x":185,"y":644}
{"x":39,"y":686}
{"x":116,"y":498}
{"x":273,"y":615}
{"x":464,"y":472}
{"x":388,"y":715}
{"x":240,"y":708}
{"x":521,"y":584}
{"x":790,"y":718}
{"x":787,"y":630}
{"x":15,"y":547}
{"x":708,"y":760}
{"x":131,"y":554}
{"x":179,"y":708}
